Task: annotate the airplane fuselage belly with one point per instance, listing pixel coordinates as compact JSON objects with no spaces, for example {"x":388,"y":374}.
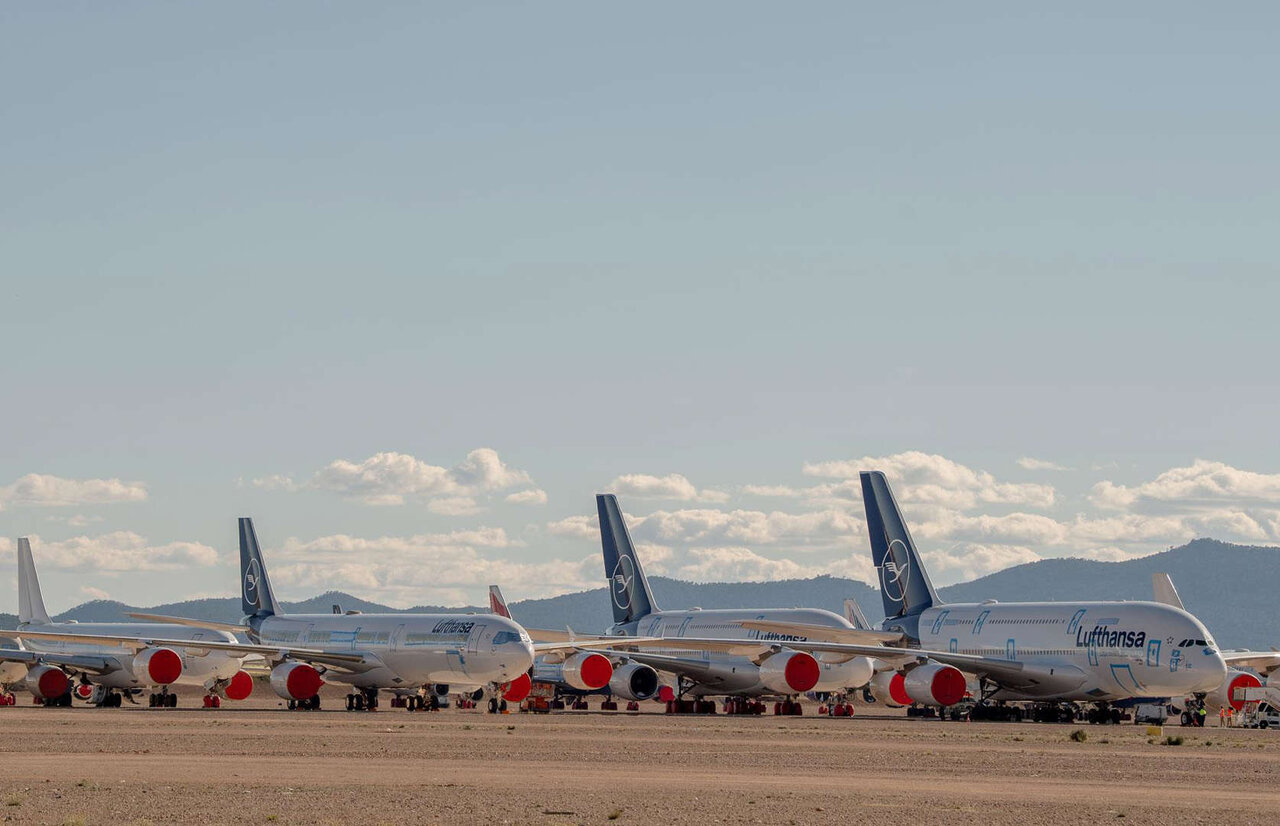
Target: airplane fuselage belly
{"x":1123,"y":649}
{"x":410,"y":649}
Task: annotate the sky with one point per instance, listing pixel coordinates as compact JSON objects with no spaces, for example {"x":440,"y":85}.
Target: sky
{"x":409,"y":283}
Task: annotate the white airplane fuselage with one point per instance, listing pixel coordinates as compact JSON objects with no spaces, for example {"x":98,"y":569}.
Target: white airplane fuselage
{"x":1100,"y":650}
{"x":413,"y":649}
{"x":199,"y":666}
{"x":735,"y":673}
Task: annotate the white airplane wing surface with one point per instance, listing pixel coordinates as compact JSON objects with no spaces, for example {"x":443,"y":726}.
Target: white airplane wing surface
{"x":191,"y":623}
{"x":1004,"y":672}
{"x":79,"y":662}
{"x":355,"y":661}
{"x":1264,"y":662}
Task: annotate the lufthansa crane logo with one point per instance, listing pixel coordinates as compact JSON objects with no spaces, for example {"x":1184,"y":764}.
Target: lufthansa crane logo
{"x":624,"y":576}
{"x":251,"y":577}
{"x":895,"y":571}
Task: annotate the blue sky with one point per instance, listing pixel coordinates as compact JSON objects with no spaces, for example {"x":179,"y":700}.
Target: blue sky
{"x":244,"y":243}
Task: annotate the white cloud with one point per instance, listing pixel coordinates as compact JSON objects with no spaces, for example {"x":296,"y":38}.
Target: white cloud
{"x":94,"y":593}
{"x":671,"y":486}
{"x":78,"y":520}
{"x":43,"y":490}
{"x":533,"y":496}
{"x":928,"y":477}
{"x":1199,"y":484}
{"x":448,"y":568}
{"x":119,"y":552}
{"x":738,"y":564}
{"x":454,"y":506}
{"x":1031,"y":463}
{"x":578,"y":527}
{"x":780,"y":491}
{"x":276,"y":481}
{"x":391,"y":478}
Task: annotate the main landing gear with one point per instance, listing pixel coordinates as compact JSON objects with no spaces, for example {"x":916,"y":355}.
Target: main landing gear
{"x":312,"y":704}
{"x":366,"y":699}
{"x":497,"y":705}
{"x":163,"y":700}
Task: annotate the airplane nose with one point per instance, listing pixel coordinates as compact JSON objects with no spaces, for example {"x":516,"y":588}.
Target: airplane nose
{"x":1216,"y":671}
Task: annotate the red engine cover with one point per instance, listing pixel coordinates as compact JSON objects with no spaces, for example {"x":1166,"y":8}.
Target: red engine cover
{"x":240,"y":687}
{"x":517,"y":689}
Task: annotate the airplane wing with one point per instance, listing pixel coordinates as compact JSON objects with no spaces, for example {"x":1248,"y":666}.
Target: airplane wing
{"x":1264,"y":662}
{"x":1008,"y":673}
{"x":354,"y":661}
{"x":694,"y":668}
{"x":78,"y":662}
{"x":822,"y":632}
{"x":572,"y":642}
{"x":192,"y":623}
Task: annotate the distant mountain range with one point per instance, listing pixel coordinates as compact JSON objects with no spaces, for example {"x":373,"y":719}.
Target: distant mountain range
{"x":1227,"y":586}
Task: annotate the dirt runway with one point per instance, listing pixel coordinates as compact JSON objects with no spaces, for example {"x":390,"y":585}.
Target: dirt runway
{"x":257,"y":765}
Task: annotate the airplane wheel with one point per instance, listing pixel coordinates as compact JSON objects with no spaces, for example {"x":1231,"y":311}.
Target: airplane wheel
{"x":493,"y":706}
{"x":172,"y":701}
{"x":502,"y":705}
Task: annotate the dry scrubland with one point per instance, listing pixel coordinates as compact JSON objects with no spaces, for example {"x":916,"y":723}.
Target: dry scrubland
{"x":253,"y":764}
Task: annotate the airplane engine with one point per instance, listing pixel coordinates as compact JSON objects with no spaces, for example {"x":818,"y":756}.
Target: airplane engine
{"x":634,"y":681}
{"x":12,"y":673}
{"x":295,"y":681}
{"x":790,"y":672}
{"x":854,"y":673}
{"x":440,"y":689}
{"x":935,"y":684}
{"x":586,"y":671}
{"x":47,"y":682}
{"x":240,"y":686}
{"x":1234,"y":685}
{"x":157,"y":666}
{"x":517,"y":689}
{"x":889,"y":690}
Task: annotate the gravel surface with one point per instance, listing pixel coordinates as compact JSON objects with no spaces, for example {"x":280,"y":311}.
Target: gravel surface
{"x":254,"y":763}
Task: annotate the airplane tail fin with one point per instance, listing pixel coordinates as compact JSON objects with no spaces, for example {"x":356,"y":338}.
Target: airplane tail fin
{"x":853,"y":613}
{"x":256,"y":599}
{"x":30,"y":603}
{"x":497,"y":604}
{"x":1162,"y":586}
{"x":904,"y":584}
{"x":628,"y":589}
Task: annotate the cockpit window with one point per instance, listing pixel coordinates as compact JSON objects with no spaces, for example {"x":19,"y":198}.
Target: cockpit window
{"x":505,"y":637}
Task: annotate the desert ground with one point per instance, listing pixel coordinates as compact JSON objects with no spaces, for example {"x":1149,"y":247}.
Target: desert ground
{"x":256,"y":763}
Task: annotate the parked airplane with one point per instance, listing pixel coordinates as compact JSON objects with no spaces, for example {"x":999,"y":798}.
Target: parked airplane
{"x":720,"y":656}
{"x":1232,"y":689}
{"x":1081,"y":651}
{"x":613,"y":675}
{"x":369,"y":652}
{"x":106,"y":671}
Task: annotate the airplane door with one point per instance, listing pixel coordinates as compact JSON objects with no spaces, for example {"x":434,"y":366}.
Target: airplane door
{"x":480,"y":637}
{"x":397,"y":638}
{"x":1153,"y":654}
{"x":1093,"y":650}
{"x":1010,"y":650}
{"x":954,"y":646}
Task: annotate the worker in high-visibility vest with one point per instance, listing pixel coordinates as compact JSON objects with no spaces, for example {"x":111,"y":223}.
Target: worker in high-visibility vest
{"x":1222,"y":716}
